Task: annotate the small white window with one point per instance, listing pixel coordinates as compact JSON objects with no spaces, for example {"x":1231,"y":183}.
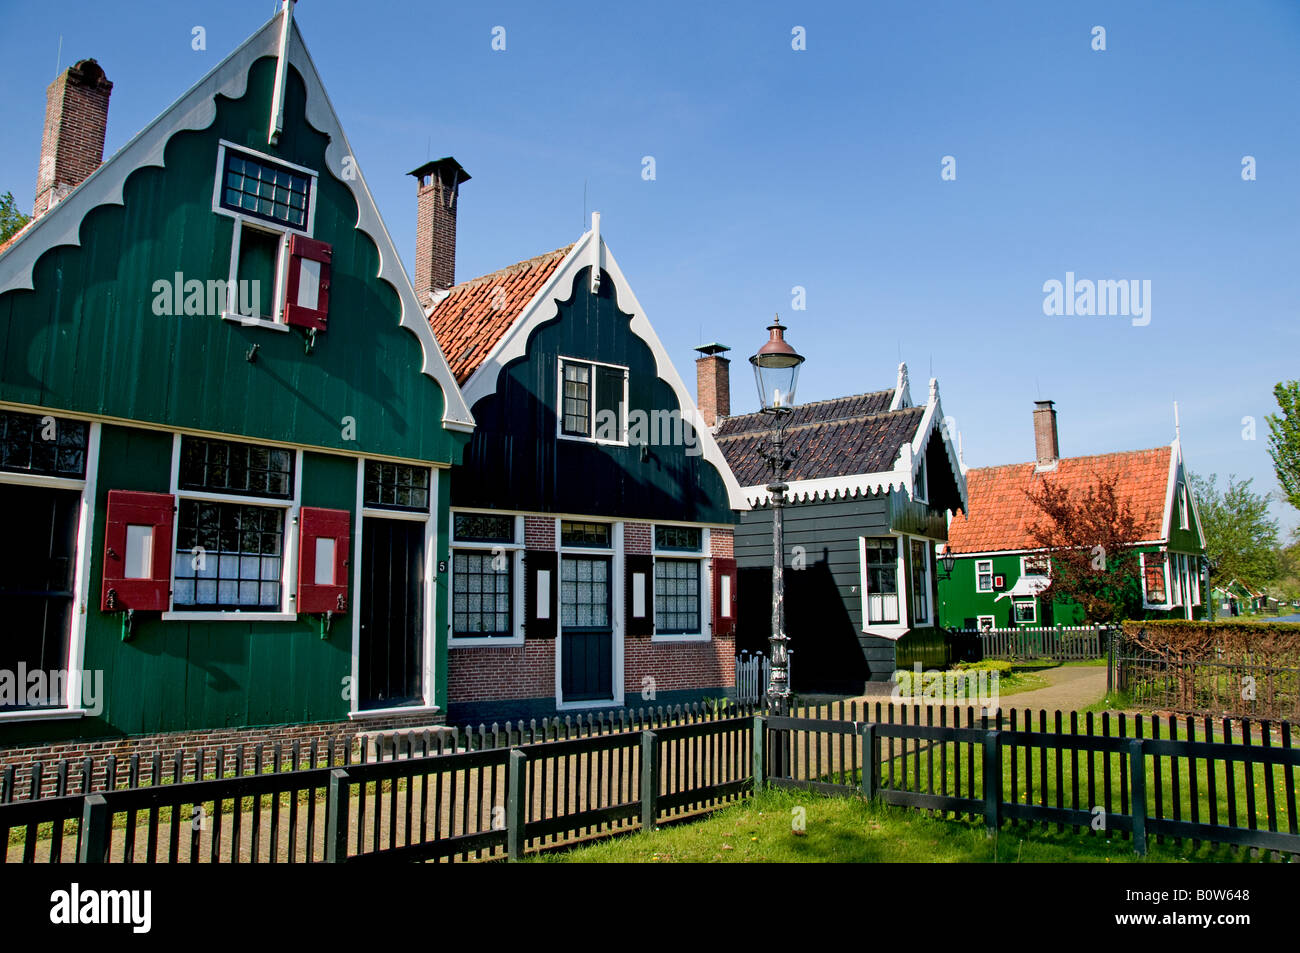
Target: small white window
{"x":1183,"y":518}
{"x":593,"y":401}
{"x":921,"y":486}
{"x":983,"y":575}
{"x":984,"y":623}
{"x":1025,"y":611}
{"x":1035,"y":565}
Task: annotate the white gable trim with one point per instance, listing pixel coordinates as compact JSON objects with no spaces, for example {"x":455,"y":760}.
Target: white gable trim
{"x":196,"y":110}
{"x":592,"y":250}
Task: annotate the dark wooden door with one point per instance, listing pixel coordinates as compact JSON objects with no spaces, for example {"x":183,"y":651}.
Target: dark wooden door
{"x":587,"y":636}
{"x":37,"y":568}
{"x":392,"y":613}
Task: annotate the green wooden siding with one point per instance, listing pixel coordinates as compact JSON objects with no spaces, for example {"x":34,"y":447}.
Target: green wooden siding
{"x":87,"y":339}
{"x":516,"y":461}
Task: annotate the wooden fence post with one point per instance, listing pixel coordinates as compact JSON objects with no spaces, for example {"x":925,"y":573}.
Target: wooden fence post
{"x":992,"y":782}
{"x":760,"y":753}
{"x":96,"y":830}
{"x":870,"y":761}
{"x":649,"y":780}
{"x":336,"y":818}
{"x":1138,"y":795}
{"x":516,"y":803}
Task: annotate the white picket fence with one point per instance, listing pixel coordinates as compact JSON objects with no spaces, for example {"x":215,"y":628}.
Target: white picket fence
{"x":752,"y":674}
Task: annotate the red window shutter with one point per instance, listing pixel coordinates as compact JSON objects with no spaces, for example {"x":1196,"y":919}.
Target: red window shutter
{"x":639,"y":593}
{"x":324,"y":541}
{"x":307,"y":290}
{"x":724,"y":596}
{"x":137,"y":551}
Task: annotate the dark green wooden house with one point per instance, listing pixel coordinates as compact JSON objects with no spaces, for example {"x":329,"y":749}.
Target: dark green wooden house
{"x":869,"y":496}
{"x":225,"y":426}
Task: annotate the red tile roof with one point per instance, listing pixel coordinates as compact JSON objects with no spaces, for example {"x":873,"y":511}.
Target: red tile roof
{"x":476,"y":314}
{"x":1001,"y":514}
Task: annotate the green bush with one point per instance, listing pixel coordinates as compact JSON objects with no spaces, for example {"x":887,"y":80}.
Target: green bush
{"x":1000,"y":666}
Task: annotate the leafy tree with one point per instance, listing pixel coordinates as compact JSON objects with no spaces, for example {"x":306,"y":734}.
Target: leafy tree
{"x":1284,"y":440}
{"x":1240,"y":538}
{"x":1089,"y":539}
{"x":10,"y":218}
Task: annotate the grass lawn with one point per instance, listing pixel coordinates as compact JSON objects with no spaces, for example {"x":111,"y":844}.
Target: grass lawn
{"x":849,"y":830}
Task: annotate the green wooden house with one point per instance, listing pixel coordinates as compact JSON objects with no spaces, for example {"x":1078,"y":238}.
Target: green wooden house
{"x":999,"y":573}
{"x":875,"y":478}
{"x":225,"y":425}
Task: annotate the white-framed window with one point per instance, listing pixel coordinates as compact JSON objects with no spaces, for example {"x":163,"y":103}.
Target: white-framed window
{"x":1036,"y":565}
{"x":270,"y":200}
{"x":1024,"y":611}
{"x":1194,"y":567}
{"x":487,"y":572}
{"x":983,"y":575}
{"x":984,"y":623}
{"x":921,"y":485}
{"x":1176,"y":564}
{"x":236,"y":504}
{"x":1184,"y":519}
{"x":1155,"y":582}
{"x":680,"y":593}
{"x":880,"y":558}
{"x":592,"y":401}
{"x":921,"y":581}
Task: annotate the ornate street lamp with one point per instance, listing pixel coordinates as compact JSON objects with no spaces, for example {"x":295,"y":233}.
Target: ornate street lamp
{"x":949,"y":559}
{"x":776,"y":372}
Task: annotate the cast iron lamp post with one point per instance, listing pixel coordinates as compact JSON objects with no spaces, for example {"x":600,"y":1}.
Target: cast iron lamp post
{"x":776,"y":371}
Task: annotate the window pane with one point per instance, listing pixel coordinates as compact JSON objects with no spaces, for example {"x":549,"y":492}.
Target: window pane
{"x":221,"y":466}
{"x":481,"y":590}
{"x":677,"y":596}
{"x":259,"y":254}
{"x":43,"y":444}
{"x":577,"y":399}
{"x":684,"y":538}
{"x":244,"y":570}
{"x":260,"y":188}
{"x":484,"y":528}
{"x":882,"y":579}
{"x":396,"y":486}
{"x":595,"y":535}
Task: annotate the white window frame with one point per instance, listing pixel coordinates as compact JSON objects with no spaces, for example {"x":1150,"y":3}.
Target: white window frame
{"x":1026,"y":560}
{"x":705,"y":568}
{"x":515,"y":551}
{"x":1030,"y":601}
{"x":979,"y":572}
{"x":979,"y":622}
{"x":927,"y":547}
{"x":921,"y":484}
{"x":230,"y":312}
{"x":1175,"y":590}
{"x":287,"y":612}
{"x":884,"y":628}
{"x":615,"y":551}
{"x":1142,"y":564}
{"x":1184,"y":517}
{"x":74,"y":674}
{"x":591,"y":385}
{"x":1196,"y":581}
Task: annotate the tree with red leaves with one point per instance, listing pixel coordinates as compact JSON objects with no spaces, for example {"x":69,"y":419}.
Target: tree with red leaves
{"x":1089,"y":538}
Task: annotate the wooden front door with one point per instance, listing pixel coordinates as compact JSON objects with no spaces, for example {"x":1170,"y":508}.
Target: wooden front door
{"x":36,"y":580}
{"x":391,"y":650}
{"x":587,"y":634}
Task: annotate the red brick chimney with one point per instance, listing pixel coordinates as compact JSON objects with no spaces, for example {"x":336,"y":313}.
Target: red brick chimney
{"x":76,"y":119}
{"x":1046,"y":443}
{"x":435,"y":225}
{"x":713,"y":383}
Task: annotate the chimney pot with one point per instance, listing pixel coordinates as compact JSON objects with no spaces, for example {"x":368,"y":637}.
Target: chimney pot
{"x":76,"y":121}
{"x":1046,"y":443}
{"x":437,"y":188}
{"x":713,"y":383}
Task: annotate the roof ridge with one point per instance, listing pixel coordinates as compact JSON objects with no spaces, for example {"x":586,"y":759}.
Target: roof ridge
{"x":1082,"y":456}
{"x":828,"y":400}
{"x":822,"y":422}
{"x":517,"y":266}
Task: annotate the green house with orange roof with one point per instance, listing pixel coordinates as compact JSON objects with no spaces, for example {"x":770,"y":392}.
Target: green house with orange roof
{"x":999,"y":571}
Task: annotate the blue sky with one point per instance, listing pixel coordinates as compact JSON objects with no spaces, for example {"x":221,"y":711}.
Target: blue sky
{"x":821,"y":168}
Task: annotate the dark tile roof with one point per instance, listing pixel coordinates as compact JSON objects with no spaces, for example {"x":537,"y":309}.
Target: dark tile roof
{"x":846,"y":436}
{"x":476,"y":314}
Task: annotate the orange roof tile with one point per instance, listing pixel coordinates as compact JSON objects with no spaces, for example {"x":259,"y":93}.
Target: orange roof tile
{"x":1001,"y":514}
{"x":476,"y":314}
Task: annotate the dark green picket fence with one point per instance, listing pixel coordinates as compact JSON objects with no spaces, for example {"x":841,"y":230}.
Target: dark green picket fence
{"x":1230,"y":783}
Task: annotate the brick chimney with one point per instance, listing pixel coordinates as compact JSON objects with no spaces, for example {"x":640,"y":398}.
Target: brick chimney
{"x":435,"y":225}
{"x":76,"y":119}
{"x":713,"y":383}
{"x":1046,"y":444}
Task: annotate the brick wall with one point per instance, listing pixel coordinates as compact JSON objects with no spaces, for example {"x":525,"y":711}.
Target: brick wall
{"x":677,"y":666}
{"x":539,"y":532}
{"x":335,"y":735}
{"x":722,"y":543}
{"x":72,"y":143}
{"x":638,"y":538}
{"x":478,"y":673}
{"x":713,"y":388}
{"x":437,"y":199}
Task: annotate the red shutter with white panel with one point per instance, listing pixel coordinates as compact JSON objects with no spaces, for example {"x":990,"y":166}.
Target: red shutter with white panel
{"x":307,"y":290}
{"x":324,"y":538}
{"x":724,"y":596}
{"x":137,"y":551}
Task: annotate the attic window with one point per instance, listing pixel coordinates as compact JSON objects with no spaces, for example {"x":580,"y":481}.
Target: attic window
{"x":921,"y":486}
{"x":593,"y":401}
{"x":265,"y":190}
